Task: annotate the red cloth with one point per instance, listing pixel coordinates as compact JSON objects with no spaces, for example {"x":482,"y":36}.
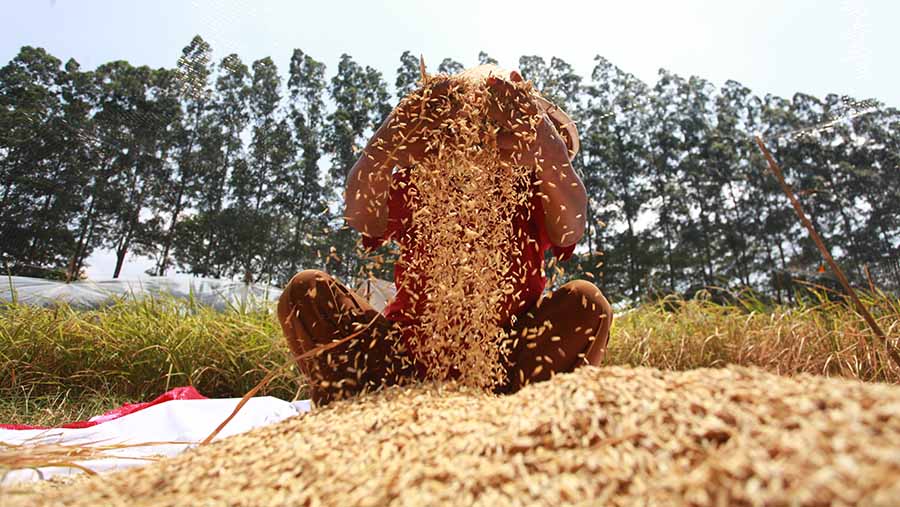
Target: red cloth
{"x":179,"y":393}
{"x":529,"y":230}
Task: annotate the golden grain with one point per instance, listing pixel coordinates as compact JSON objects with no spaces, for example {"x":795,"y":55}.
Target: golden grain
{"x":599,"y":436}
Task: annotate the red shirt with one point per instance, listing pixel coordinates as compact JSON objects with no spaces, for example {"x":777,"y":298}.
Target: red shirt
{"x":529,"y":231}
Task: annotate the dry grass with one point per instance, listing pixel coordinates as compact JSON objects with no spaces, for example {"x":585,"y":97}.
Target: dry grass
{"x":68,"y":365}
{"x":822,"y":337}
{"x":138,"y":349}
{"x":20,"y":406}
{"x":610,"y":436}
{"x":38,"y":454}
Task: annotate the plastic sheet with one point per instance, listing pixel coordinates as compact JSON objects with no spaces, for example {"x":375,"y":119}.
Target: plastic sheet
{"x":154,"y":430}
{"x":87,"y":294}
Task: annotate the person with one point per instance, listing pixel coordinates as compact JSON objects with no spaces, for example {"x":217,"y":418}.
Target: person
{"x":361,"y":349}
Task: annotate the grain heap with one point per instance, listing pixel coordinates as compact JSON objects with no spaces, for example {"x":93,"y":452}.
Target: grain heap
{"x":463,"y":198}
{"x":599,"y":436}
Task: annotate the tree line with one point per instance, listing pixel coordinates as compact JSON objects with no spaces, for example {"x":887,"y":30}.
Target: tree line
{"x":233,"y":169}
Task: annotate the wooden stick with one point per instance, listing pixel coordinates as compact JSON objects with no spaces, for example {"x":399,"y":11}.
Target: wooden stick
{"x":251,"y":393}
{"x":869,"y":278}
{"x":776,"y":171}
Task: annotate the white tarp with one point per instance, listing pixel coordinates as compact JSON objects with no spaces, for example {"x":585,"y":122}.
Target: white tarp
{"x":378,"y":292}
{"x":181,"y":424}
{"x":219,"y":294}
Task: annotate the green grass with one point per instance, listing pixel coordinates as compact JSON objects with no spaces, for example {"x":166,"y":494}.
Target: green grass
{"x":22,"y":407}
{"x":62,"y":364}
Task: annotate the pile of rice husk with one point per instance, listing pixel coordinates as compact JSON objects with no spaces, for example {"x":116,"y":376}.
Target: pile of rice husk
{"x":599,"y":436}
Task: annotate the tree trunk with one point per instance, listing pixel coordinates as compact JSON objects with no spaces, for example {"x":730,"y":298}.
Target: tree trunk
{"x":34,"y":240}
{"x":632,"y":248}
{"x":120,"y":260}
{"x":163,"y":264}
{"x":170,"y":235}
{"x":90,"y":238}
{"x":707,"y":254}
{"x":86,"y":228}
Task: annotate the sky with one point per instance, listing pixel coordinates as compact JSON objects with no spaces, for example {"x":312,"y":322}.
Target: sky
{"x":779,"y":47}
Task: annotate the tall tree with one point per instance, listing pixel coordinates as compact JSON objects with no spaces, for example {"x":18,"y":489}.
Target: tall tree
{"x":186,"y":174}
{"x":408,"y":74}
{"x":666,"y":179}
{"x":33,"y":148}
{"x":485,"y":59}
{"x":450,"y":66}
{"x":84,"y":169}
{"x":703,"y":226}
{"x":776,"y":125}
{"x":271,"y":151}
{"x":134,"y":118}
{"x":302,"y":195}
{"x":202,"y":249}
{"x":361,"y":105}
{"x":616,"y":167}
{"x":731,"y":151}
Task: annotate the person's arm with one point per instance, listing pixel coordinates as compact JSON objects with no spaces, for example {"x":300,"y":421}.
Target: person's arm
{"x":398,"y":142}
{"x":369,"y":185}
{"x":562,"y":192}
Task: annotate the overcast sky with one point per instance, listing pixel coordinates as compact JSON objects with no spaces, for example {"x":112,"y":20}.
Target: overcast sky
{"x":781,"y":47}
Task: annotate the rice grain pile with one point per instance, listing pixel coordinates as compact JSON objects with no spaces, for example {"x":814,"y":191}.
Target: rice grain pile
{"x":463,"y":196}
{"x":599,"y":436}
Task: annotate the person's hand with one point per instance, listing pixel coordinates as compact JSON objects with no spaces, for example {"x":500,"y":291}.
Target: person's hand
{"x":404,"y":136}
{"x":520,"y":142}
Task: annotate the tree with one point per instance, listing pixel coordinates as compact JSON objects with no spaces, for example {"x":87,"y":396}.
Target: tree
{"x":186,"y":174}
{"x":667,"y":181}
{"x":271,"y":151}
{"x":874,"y":159}
{"x":134,"y":121}
{"x":302,"y":195}
{"x":35,"y":151}
{"x":615,"y":167}
{"x":361,"y":105}
{"x":558,"y":82}
{"x":779,"y":222}
{"x":702,"y":226}
{"x":731,"y":152}
{"x":450,"y":66}
{"x":202,"y":249}
{"x":360,"y":98}
{"x":485,"y":59}
{"x":408,"y":74}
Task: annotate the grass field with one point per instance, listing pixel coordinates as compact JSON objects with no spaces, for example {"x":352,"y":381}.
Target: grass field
{"x":63,"y":364}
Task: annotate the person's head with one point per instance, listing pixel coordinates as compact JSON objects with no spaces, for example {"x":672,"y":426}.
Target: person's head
{"x":561,"y":120}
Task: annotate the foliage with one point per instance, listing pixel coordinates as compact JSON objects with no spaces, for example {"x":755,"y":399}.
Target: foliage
{"x":229,"y":170}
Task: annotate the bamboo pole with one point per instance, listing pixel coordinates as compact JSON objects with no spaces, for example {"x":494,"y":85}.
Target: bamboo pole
{"x":860,"y":308}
